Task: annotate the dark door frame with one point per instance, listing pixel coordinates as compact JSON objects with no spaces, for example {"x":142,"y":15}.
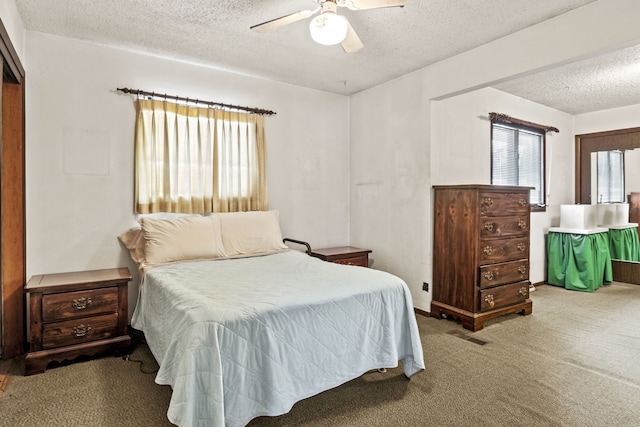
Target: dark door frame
{"x":12,"y":201}
{"x":620,"y":139}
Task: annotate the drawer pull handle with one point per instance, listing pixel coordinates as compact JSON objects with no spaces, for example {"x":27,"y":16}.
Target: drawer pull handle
{"x":487,"y":250}
{"x":521,"y":246}
{"x":522,"y":269}
{"x":488,"y":201}
{"x":81,"y":330}
{"x":522,"y":223}
{"x":81,"y":303}
{"x":523,"y":291}
{"x":488,"y":275}
{"x":489,"y":300}
{"x":488,"y":226}
{"x":523,"y":202}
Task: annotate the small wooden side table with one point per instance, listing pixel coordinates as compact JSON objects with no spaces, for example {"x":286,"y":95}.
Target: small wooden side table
{"x":76,"y":314}
{"x":347,"y":255}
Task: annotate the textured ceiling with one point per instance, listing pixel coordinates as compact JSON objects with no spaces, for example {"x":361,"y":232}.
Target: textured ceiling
{"x":607,"y":81}
{"x":396,"y":41}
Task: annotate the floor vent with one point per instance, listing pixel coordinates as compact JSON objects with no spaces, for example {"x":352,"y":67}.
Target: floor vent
{"x":467,"y":337}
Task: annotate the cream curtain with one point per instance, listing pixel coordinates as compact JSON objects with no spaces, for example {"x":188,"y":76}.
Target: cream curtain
{"x":198,"y":159}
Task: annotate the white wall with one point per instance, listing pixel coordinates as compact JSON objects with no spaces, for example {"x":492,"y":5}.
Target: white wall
{"x":378,"y":113}
{"x":79,"y":150}
{"x":390,"y":157}
{"x":613,"y":119}
{"x":605,"y":120}
{"x":13,"y":23}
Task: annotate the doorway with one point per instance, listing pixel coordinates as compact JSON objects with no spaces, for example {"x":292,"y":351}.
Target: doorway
{"x":12,"y":202}
{"x":621,"y":139}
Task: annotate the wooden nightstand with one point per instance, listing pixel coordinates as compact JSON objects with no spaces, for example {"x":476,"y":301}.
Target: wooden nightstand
{"x":343,"y":255}
{"x":76,"y":314}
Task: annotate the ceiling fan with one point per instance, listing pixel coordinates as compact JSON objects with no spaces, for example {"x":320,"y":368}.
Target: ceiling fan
{"x":329,"y":28}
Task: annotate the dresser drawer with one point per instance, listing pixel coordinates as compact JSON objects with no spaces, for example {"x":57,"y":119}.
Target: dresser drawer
{"x":507,"y":226}
{"x":494,"y":251}
{"x":361,"y":261}
{"x":502,"y":296}
{"x":68,"y":305}
{"x":505,"y":272}
{"x":502,"y":204}
{"x":78,"y":331}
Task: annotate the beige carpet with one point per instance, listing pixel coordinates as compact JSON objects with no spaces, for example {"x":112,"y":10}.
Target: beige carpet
{"x":574,"y":362}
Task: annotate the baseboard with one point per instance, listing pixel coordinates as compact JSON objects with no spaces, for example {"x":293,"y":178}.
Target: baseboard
{"x":422,"y":312}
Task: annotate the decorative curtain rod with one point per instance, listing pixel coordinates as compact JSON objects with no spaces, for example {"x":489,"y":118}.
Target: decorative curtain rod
{"x":503,"y":118}
{"x":197,"y":101}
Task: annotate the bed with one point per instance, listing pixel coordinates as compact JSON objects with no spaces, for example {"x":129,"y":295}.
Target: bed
{"x":239,"y":336}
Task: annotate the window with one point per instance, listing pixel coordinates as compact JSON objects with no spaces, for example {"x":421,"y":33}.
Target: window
{"x":198,"y":159}
{"x":517,"y":158}
{"x":611,"y":176}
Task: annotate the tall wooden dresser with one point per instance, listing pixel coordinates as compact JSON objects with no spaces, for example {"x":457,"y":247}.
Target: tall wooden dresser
{"x":480,"y":253}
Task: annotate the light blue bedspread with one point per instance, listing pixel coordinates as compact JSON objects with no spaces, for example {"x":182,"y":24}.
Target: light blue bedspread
{"x":242,"y":338}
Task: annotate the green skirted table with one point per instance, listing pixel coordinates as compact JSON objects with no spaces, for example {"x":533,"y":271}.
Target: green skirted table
{"x":623,"y":242}
{"x":579,"y":262}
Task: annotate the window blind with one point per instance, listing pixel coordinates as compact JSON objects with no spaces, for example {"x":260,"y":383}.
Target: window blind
{"x":611,"y":176}
{"x":516,"y":159}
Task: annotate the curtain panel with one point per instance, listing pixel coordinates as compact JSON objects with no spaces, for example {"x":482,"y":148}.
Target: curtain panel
{"x":191,"y":159}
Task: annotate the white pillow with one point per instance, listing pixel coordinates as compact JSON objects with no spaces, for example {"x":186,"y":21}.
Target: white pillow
{"x":195,"y":237}
{"x":133,"y":239}
{"x":251,"y":233}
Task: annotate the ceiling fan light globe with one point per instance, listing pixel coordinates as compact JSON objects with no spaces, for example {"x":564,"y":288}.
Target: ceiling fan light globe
{"x":328,"y":28}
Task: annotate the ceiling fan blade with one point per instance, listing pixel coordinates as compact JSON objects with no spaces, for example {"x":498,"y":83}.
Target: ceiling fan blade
{"x":373,"y":4}
{"x":283,"y":20}
{"x":351,"y":42}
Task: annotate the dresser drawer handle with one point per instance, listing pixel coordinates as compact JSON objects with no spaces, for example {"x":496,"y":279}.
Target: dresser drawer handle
{"x":489,"y":300}
{"x":523,"y":202}
{"x":81,"y":330}
{"x":488,"y":201}
{"x":523,"y":291}
{"x":487,"y":250}
{"x":81,"y":303}
{"x":522,"y":223}
{"x":522,"y":246}
{"x":488,"y":226}
{"x":488,"y":275}
{"x":522,"y":269}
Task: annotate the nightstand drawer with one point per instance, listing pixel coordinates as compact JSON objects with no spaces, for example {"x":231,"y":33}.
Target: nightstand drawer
{"x":361,"y":261}
{"x":347,"y":255}
{"x":80,"y":330}
{"x":68,"y":305}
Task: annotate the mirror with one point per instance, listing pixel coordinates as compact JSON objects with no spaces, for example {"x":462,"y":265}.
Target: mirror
{"x":628,"y":141}
{"x":614,"y":174}
{"x":624,"y":139}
